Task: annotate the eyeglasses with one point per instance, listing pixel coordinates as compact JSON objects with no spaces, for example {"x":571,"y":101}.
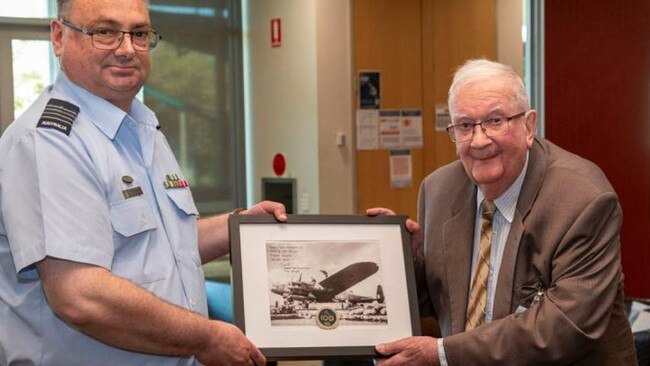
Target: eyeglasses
{"x":463,"y":130}
{"x":111,"y":39}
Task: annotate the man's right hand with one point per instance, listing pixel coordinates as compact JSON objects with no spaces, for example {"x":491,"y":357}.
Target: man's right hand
{"x":229,"y":346}
{"x":412,"y":226}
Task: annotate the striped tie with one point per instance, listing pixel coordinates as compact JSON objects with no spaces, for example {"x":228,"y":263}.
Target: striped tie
{"x":478,"y":294}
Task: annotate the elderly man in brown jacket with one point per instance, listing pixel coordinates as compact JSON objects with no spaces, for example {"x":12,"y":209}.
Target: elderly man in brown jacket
{"x":520,"y":261}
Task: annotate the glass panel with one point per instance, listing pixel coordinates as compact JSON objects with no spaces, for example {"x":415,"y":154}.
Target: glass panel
{"x":31,"y":71}
{"x":193,"y":88}
{"x":24,"y":9}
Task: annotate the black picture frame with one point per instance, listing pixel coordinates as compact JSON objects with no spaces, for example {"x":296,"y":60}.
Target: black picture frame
{"x":351,"y":252}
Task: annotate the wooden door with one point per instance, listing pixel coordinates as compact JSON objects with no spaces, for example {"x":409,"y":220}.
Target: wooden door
{"x":416,"y":45}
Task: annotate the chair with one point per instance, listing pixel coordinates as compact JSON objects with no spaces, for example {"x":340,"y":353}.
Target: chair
{"x":641,"y":339}
{"x":219,"y":296}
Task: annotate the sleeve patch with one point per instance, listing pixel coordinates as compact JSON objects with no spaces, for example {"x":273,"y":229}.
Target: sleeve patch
{"x":59,"y":115}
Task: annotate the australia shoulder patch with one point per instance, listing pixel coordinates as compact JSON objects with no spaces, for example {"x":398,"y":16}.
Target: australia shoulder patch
{"x":59,"y":115}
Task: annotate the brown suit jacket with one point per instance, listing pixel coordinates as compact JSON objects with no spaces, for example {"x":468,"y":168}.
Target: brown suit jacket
{"x":563,"y":241}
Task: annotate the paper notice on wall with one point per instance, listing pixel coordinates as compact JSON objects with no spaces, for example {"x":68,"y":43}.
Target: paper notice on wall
{"x":367,"y":129}
{"x":389,"y":129}
{"x":411,"y":128}
{"x":401,"y":172}
{"x":443,"y":119}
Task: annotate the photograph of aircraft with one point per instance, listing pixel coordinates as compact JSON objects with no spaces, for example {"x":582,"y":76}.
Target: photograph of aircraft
{"x":307,"y":276}
{"x":361,"y":307}
{"x":350,"y":299}
{"x":327,"y":289}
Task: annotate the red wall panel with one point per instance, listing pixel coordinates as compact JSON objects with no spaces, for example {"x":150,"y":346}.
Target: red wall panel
{"x":597,"y":91}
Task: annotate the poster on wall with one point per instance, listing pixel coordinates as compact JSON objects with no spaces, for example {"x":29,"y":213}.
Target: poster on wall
{"x":443,"y":119}
{"x":369,"y":90}
{"x":401,"y":172}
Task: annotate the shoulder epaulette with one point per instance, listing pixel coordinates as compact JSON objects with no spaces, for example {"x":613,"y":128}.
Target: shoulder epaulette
{"x":59,"y":115}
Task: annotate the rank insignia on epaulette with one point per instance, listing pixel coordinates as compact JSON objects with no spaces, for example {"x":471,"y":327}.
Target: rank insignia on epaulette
{"x":59,"y":115}
{"x":173,"y":181}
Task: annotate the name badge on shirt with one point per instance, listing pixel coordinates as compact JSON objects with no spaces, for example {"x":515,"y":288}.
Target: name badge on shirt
{"x":132,"y":192}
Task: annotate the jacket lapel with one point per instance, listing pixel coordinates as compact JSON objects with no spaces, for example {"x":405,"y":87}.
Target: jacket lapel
{"x":458,"y":255}
{"x":531,"y":186}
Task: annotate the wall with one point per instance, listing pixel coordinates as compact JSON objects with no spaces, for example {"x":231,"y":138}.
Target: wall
{"x":299,"y":98}
{"x":510,"y":47}
{"x":598,"y":106}
{"x":335,"y":111}
{"x":281,"y":100}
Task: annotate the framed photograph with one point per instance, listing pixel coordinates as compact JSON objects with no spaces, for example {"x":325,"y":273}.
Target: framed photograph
{"x":322,"y":286}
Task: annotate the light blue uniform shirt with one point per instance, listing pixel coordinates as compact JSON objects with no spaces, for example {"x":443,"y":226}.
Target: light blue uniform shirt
{"x":502,"y":220}
{"x":64,"y":196}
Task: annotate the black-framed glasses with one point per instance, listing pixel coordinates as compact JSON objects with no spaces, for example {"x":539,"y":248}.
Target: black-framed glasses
{"x":111,"y":39}
{"x":463,"y":130}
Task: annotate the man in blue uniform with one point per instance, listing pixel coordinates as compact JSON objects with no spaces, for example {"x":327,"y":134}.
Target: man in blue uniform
{"x":100,"y":246}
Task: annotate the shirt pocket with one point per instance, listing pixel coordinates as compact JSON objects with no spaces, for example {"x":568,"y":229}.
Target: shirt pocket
{"x":132,"y":216}
{"x":183,"y":200}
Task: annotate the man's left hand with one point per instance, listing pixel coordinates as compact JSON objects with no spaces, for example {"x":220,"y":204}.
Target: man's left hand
{"x":409,"y":351}
{"x":268,"y":207}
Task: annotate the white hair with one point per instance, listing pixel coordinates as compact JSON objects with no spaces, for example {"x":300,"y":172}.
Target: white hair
{"x":485,"y":70}
{"x":64,"y":7}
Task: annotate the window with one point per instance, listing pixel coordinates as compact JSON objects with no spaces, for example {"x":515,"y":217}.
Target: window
{"x":195,"y":86}
{"x":28,"y":64}
{"x":27,"y":9}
